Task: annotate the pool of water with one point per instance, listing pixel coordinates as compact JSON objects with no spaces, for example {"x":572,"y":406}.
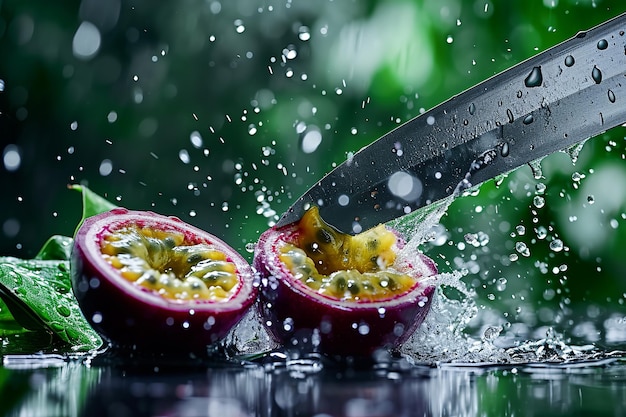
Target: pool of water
{"x":52,"y":385}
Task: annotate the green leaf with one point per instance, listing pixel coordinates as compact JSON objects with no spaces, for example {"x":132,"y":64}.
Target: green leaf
{"x":39,"y":294}
{"x":8,"y":324}
{"x":92,"y":203}
{"x":56,"y":248}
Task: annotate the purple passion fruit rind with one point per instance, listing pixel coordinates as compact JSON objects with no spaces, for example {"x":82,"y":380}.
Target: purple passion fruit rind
{"x":293,"y":311}
{"x":143,"y":280}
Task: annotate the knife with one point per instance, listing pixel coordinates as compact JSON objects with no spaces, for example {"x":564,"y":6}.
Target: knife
{"x":550,"y":102}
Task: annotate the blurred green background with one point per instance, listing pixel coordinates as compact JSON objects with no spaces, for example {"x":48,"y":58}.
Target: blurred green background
{"x":222,"y":113}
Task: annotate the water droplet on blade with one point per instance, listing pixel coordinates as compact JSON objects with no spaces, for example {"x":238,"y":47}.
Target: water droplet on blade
{"x":472,"y":109}
{"x":569,"y":61}
{"x":596,"y":74}
{"x":534,"y":79}
{"x":611,"y":95}
{"x":504,"y":150}
{"x":509,"y":115}
{"x":535,"y":167}
{"x":528,"y":119}
{"x":602,"y":44}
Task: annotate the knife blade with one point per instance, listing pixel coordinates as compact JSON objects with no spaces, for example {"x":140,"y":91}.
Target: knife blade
{"x":552,"y":101}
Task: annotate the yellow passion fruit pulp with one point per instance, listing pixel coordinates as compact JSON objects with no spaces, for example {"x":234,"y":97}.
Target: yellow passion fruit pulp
{"x":351,"y":268}
{"x":164,"y":262}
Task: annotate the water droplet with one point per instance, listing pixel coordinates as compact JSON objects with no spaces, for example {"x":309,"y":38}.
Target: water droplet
{"x":569,"y":61}
{"x":522,"y":249}
{"x":97,"y":318}
{"x":540,"y":188}
{"x":343,"y":200}
{"x":539,"y":201}
{"x":602,"y":44}
{"x":509,"y":115}
{"x":290,"y":52}
{"x":535,"y":167}
{"x":183,"y":155}
{"x":504,"y":150}
{"x":239,"y":27}
{"x":304,"y":33}
{"x":596,"y":74}
{"x":519,"y":93}
{"x":250,"y":247}
{"x":528,"y":119}
{"x":591,"y":199}
{"x":541,"y":232}
{"x":12,"y":157}
{"x":472,"y":108}
{"x":520,"y":229}
{"x":556,"y":245}
{"x":534,"y":79}
{"x":611,"y":95}
{"x":1,"y":85}
{"x":577,"y":176}
{"x":492,"y":332}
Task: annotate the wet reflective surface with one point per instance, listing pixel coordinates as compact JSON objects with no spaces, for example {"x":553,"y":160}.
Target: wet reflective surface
{"x":306,"y":388}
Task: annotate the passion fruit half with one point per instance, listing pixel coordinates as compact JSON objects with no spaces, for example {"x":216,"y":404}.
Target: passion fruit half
{"x":341,"y":294}
{"x":148,"y":281}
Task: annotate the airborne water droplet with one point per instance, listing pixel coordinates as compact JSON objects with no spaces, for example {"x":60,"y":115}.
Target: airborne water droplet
{"x":556,"y":245}
{"x":522,"y":249}
{"x":569,"y":61}
{"x":534,"y":79}
{"x":596,"y":74}
{"x":602,"y":44}
{"x":611,"y":95}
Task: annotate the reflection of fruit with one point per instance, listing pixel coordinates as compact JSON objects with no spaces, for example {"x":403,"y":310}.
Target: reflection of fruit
{"x":155,"y":282}
{"x":347,"y":294}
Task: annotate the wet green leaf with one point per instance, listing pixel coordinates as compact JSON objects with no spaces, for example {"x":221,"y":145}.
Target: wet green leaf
{"x":56,"y":248}
{"x":92,"y":203}
{"x":38,"y":292}
{"x":8,"y":324}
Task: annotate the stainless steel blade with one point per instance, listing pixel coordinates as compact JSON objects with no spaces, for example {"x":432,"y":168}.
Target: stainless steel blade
{"x":550,"y":102}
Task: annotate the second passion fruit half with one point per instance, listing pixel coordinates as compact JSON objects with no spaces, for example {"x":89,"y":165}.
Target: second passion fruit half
{"x":342,"y":294}
{"x":148,"y":281}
